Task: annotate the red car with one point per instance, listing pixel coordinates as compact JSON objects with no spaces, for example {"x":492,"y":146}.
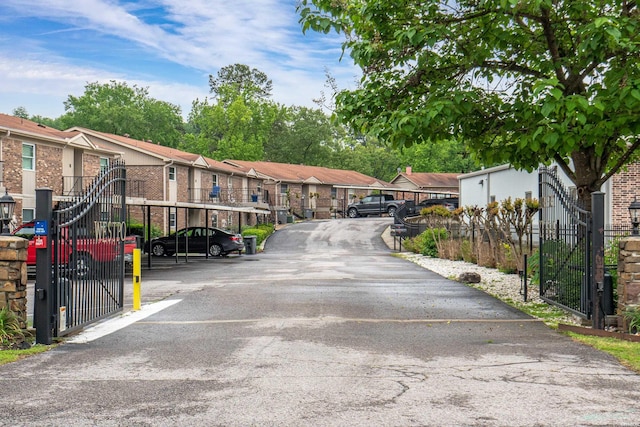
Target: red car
{"x":88,"y":251}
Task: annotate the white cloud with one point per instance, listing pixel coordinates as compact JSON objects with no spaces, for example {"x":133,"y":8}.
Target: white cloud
{"x":200,"y":35}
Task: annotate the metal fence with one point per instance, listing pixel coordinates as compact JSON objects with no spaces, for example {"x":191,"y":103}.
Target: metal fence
{"x":88,"y":252}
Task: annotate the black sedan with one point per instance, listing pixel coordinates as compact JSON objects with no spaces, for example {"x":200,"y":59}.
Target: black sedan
{"x":451,"y":203}
{"x":196,"y":240}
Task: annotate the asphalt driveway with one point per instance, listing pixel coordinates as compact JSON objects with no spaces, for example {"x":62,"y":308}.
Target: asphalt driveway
{"x":326,"y":328}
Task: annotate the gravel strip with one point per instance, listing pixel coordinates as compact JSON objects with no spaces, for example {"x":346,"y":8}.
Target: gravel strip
{"x":506,"y":287}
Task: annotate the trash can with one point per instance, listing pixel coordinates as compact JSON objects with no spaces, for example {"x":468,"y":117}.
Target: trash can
{"x":282,"y":217}
{"x":308,"y":213}
{"x":250,"y":244}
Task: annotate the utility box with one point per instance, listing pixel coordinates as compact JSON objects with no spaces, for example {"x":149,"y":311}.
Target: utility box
{"x":250,"y":245}
{"x":308,"y":213}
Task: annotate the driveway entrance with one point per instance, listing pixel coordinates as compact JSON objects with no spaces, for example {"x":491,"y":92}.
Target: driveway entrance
{"x":326,"y":328}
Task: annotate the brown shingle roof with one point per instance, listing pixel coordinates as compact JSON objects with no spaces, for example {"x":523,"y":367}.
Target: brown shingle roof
{"x":301,"y":173}
{"x":150,"y":147}
{"x":18,"y":124}
{"x":431,"y":179}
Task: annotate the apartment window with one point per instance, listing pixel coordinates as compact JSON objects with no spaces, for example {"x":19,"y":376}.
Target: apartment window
{"x":104,"y":164}
{"x":334,"y":193}
{"x":214,"y":179}
{"x":172,"y":220}
{"x":527,"y":195}
{"x":284,"y":188}
{"x":492,"y":199}
{"x":229,"y":183}
{"x":214,"y":220}
{"x":172,"y":173}
{"x":259,"y":187}
{"x":28,"y":157}
{"x":28,"y":215}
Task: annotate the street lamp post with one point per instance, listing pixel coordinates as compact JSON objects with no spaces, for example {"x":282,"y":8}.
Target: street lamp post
{"x":7,"y":204}
{"x":634,"y":213}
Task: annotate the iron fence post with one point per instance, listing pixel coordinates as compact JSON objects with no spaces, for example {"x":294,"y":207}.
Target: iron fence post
{"x":597,"y":260}
{"x":44,"y":296}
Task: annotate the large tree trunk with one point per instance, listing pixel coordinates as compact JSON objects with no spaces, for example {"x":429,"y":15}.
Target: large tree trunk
{"x":587,"y":175}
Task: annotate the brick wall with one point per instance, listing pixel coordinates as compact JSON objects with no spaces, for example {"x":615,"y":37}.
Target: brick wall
{"x":13,"y":276}
{"x":12,"y":156}
{"x":628,"y":276}
{"x":49,"y":168}
{"x":623,"y":190}
{"x":90,"y":165}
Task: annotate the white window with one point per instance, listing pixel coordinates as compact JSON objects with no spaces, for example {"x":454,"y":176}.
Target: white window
{"x":172,"y":173}
{"x":172,"y":220}
{"x":28,"y":156}
{"x":104,"y":164}
{"x":28,"y":215}
{"x":214,"y":179}
{"x":527,"y":195}
{"x":284,"y":188}
{"x":229,"y":182}
{"x":214,"y":220}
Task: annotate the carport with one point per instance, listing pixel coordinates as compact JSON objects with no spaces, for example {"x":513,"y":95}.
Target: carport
{"x":401,"y":193}
{"x":147,"y":205}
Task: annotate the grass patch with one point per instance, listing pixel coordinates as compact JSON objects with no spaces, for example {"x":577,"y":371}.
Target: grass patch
{"x":8,"y":356}
{"x":627,"y":352}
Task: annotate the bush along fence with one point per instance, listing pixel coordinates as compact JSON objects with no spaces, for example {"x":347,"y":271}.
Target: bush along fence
{"x":502,"y":235}
{"x":497,"y":236}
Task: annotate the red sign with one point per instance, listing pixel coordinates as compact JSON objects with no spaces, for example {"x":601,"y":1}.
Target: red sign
{"x":40,"y":242}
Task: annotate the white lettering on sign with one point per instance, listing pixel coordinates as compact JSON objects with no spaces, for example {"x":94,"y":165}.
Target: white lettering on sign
{"x":110,"y":230}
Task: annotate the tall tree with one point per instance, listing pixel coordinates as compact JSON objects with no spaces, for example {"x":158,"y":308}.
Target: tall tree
{"x":20,"y":112}
{"x":519,"y":81}
{"x":240,"y":80}
{"x":301,"y":135}
{"x":120,"y":109}
{"x":230,"y":130}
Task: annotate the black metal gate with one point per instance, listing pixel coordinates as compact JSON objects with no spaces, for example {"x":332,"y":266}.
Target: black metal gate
{"x":565,"y":246}
{"x":88,"y":252}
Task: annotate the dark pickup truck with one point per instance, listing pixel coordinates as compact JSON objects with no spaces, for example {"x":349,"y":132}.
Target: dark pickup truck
{"x":374,"y":204}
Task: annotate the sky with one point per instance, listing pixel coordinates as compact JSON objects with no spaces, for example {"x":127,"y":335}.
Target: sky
{"x":50,"y":49}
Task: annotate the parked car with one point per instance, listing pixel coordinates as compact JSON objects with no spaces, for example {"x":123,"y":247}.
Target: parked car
{"x":450,"y":203}
{"x":219,"y":243}
{"x":374,"y":204}
{"x":89,"y":251}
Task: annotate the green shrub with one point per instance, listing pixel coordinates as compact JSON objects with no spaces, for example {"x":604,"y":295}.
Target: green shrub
{"x":466,"y":251}
{"x":425,"y":243}
{"x":632,"y":316}
{"x":261,"y":231}
{"x":138,"y":229}
{"x":10,"y":332}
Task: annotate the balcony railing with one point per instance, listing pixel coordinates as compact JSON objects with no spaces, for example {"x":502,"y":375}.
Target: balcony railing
{"x":76,"y":185}
{"x":223,"y":196}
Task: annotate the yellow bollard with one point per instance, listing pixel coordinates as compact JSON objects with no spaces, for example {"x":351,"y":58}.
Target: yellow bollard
{"x":136,"y":279}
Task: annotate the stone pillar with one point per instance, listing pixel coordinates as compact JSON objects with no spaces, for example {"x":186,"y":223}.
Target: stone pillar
{"x":628,"y":276}
{"x":13,"y":276}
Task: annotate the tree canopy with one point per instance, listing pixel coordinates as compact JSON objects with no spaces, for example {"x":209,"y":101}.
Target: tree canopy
{"x":118,"y":108}
{"x":521,"y":82}
{"x":240,"y":80}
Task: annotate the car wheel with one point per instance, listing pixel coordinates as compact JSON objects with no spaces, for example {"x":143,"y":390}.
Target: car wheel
{"x":215,"y":250}
{"x":353,"y":213}
{"x":83,"y":265}
{"x":158,"y":249}
{"x":391,"y":211}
